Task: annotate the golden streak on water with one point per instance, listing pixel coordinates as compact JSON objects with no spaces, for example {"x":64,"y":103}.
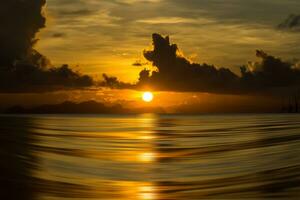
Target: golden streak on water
{"x":147,"y":192}
{"x":147,"y":157}
{"x":146,"y":137}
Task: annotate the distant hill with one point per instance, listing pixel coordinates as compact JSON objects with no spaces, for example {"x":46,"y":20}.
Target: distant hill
{"x":87,"y":107}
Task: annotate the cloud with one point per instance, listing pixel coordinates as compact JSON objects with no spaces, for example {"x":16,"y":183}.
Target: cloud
{"x":139,"y":63}
{"x":20,"y":21}
{"x":114,"y":83}
{"x":137,"y":1}
{"x":58,"y":35}
{"x":24,"y":69}
{"x":29,"y":78}
{"x":174,"y":72}
{"x":107,"y":36}
{"x":291,"y":23}
{"x":168,"y":20}
{"x":270,"y":72}
{"x":77,"y":12}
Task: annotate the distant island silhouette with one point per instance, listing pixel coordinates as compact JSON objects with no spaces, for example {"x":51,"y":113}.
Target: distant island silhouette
{"x":94,"y":107}
{"x":87,"y":107}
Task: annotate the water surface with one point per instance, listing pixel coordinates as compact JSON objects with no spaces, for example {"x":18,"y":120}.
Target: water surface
{"x":148,"y":157}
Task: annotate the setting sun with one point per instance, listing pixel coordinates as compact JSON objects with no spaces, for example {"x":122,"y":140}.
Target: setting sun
{"x":147,"y":96}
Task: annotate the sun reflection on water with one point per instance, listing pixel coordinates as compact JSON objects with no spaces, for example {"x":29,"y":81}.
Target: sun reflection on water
{"x":146,"y":137}
{"x":147,"y":157}
{"x":147,"y":192}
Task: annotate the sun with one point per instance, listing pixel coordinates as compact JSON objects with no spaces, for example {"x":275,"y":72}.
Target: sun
{"x":147,"y":96}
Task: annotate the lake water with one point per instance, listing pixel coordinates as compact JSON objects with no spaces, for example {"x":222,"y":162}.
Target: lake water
{"x":149,"y":157}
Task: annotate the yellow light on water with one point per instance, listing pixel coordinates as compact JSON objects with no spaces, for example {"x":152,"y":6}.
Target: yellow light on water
{"x":147,"y":157}
{"x":147,"y":193}
{"x":146,"y":137}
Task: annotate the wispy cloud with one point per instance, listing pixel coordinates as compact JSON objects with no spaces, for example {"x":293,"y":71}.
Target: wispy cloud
{"x":174,"y":20}
{"x":292,"y":23}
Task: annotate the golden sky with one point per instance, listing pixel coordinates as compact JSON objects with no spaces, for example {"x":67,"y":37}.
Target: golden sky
{"x":97,"y":36}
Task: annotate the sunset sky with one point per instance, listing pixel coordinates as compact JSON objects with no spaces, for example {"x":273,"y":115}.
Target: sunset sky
{"x":206,"y":54}
{"x":110,"y":35}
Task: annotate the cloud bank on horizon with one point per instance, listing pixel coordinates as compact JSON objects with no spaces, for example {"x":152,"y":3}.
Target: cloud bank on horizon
{"x":174,"y":72}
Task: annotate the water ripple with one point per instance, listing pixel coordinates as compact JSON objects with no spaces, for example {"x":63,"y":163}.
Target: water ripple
{"x":150,"y":157}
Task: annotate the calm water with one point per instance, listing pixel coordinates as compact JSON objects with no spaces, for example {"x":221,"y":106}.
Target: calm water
{"x":149,"y":157}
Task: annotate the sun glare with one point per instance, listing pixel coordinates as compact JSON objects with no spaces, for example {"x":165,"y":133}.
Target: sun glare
{"x":147,"y":96}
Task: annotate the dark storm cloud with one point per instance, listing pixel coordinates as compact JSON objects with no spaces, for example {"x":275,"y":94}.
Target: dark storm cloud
{"x":20,"y":21}
{"x":23,"y":69}
{"x":291,"y":23}
{"x":176,"y":73}
{"x":29,"y":78}
{"x":270,"y":72}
